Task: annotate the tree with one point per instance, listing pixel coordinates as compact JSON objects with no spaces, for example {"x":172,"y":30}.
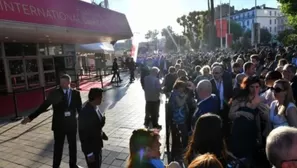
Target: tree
{"x":284,"y":34}
{"x":152,"y":36}
{"x":236,"y":30}
{"x":194,"y":25}
{"x":289,"y":7}
{"x":174,"y":42}
{"x":291,"y":40}
{"x":265,"y":36}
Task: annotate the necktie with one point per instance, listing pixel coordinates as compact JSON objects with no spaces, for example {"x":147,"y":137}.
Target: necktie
{"x":66,"y":97}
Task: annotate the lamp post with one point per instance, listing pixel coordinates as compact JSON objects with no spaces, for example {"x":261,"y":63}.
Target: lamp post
{"x":221,"y":24}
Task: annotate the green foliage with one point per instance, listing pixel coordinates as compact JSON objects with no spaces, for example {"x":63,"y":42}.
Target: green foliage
{"x":283,"y":35}
{"x":195,"y":26}
{"x":236,"y":30}
{"x":288,"y":7}
{"x":174,"y":42}
{"x":290,"y":40}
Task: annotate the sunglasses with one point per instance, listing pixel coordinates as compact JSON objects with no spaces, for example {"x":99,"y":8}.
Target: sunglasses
{"x":276,"y":90}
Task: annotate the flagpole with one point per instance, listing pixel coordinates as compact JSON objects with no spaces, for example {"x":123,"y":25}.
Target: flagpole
{"x":229,"y":25}
{"x":221,"y":23}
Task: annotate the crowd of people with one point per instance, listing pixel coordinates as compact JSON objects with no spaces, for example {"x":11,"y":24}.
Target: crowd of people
{"x":225,"y":109}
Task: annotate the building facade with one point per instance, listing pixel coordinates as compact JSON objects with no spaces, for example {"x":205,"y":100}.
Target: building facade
{"x":282,"y":23}
{"x":38,"y":42}
{"x":267,"y":17}
{"x":225,"y":10}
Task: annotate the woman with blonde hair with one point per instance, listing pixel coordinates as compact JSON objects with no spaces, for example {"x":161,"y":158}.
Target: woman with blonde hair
{"x":206,"y":161}
{"x":283,"y":111}
{"x":145,"y":150}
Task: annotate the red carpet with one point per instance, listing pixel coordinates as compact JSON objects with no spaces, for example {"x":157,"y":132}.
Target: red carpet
{"x":89,"y":85}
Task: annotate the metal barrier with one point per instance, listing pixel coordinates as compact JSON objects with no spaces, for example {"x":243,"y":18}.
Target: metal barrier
{"x":168,"y":127}
{"x":15,"y":99}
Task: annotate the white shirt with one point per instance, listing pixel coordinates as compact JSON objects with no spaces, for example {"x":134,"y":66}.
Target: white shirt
{"x":220,"y":88}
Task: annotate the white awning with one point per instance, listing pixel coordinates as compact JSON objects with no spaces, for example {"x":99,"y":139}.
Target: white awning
{"x":95,"y":48}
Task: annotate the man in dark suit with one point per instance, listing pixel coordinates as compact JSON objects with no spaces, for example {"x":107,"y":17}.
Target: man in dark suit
{"x":66,"y":104}
{"x":115,"y":70}
{"x":222,"y":87}
{"x":91,"y":122}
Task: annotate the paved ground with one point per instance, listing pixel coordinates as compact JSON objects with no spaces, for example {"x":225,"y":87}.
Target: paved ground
{"x":31,"y":145}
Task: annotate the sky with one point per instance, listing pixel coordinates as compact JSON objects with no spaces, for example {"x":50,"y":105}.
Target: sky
{"x":144,"y":15}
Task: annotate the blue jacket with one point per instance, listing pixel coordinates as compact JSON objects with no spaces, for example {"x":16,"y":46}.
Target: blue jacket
{"x":208,"y":105}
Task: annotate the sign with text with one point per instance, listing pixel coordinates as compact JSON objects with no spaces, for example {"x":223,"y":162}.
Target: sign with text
{"x":65,"y":13}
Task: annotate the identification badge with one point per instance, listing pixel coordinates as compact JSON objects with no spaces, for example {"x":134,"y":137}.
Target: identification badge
{"x":67,"y":114}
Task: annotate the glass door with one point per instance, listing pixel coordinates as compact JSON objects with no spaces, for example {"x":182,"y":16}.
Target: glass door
{"x":24,"y":73}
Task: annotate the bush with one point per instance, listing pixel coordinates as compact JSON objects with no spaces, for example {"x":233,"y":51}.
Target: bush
{"x":290,"y":40}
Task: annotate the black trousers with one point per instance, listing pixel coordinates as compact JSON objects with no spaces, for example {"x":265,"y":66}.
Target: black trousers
{"x":98,"y":160}
{"x":116,"y":73}
{"x":132,"y":75}
{"x":152,"y":112}
{"x":59,"y":137}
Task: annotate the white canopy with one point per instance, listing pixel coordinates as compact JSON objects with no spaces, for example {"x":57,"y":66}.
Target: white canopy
{"x":95,"y":48}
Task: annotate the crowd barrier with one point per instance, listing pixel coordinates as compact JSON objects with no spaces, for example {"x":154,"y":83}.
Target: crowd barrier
{"x":168,"y":129}
{"x":20,"y":101}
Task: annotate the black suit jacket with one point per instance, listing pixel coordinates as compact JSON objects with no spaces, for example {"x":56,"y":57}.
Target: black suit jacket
{"x":60,"y":106}
{"x":228,"y":89}
{"x":90,"y":129}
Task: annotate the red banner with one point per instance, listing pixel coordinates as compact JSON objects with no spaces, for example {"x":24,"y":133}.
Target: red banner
{"x":222,"y":27}
{"x":65,"y":13}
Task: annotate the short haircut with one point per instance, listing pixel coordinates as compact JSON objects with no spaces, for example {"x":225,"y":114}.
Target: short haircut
{"x":217,"y":66}
{"x":204,"y":85}
{"x":197,"y":68}
{"x":179,"y":84}
{"x":291,"y":67}
{"x":279,"y":144}
{"x":172,"y":69}
{"x":95,"y":93}
{"x":247,"y":66}
{"x":236,"y":65}
{"x":66,"y":76}
{"x":255,"y":56}
{"x":155,"y":70}
{"x":273,"y":75}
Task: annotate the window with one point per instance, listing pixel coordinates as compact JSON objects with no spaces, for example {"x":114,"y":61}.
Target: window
{"x":48,"y":64}
{"x":247,"y":22}
{"x":24,"y":73}
{"x":55,"y":49}
{"x":270,"y":13}
{"x":43,"y":49}
{"x":31,"y":65}
{"x":274,"y":21}
{"x":18,"y":82}
{"x":270,"y":22}
{"x":270,"y":29}
{"x":20,"y":49}
{"x":275,"y":29}
{"x":275,"y":13}
{"x":16,"y":67}
{"x":33,"y":81}
{"x":3,"y":87}
{"x":50,"y":78}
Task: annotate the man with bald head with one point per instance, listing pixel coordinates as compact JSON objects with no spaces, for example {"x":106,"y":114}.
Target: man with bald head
{"x":281,"y":147}
{"x":209,"y":103}
{"x":223,"y":89}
